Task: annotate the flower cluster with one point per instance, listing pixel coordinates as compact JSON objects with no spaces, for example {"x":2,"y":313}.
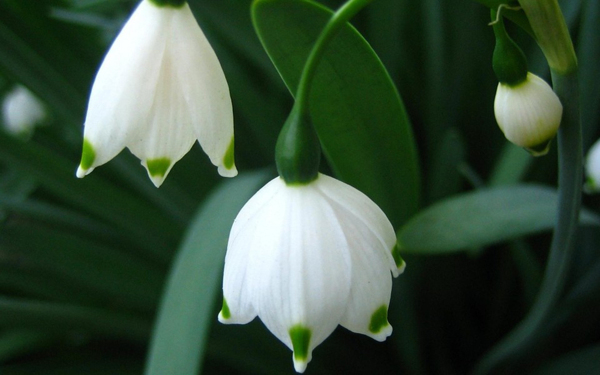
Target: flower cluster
{"x":308,"y":252}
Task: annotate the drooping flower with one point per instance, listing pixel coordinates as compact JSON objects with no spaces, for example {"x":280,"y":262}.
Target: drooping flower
{"x":159,"y":89}
{"x":528,"y":113}
{"x":22,"y":111}
{"x":592,"y":169}
{"x":307,"y":257}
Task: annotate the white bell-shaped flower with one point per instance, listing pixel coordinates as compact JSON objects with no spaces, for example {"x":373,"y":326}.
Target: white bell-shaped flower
{"x":307,"y":257}
{"x":592,"y":169}
{"x":528,"y":113}
{"x":22,"y":111}
{"x":159,"y":89}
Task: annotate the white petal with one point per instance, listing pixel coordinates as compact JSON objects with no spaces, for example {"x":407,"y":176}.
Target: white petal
{"x":245,"y":242}
{"x":364,"y":209}
{"x":124,"y":88}
{"x":304,"y":273}
{"x":371,"y":284}
{"x":205,"y":89}
{"x":592,"y":168}
{"x":529,"y":113}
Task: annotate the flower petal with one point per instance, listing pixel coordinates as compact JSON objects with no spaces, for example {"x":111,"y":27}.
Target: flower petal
{"x":245,"y":242}
{"x":305,"y":272}
{"x":361,"y":207}
{"x":529,"y":113}
{"x":201,"y":79}
{"x":123,"y":91}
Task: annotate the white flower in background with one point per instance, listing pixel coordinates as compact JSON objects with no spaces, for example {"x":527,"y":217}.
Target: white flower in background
{"x":305,"y":258}
{"x":528,"y":113}
{"x":160,"y":87}
{"x":22,"y":111}
{"x":592,"y":169}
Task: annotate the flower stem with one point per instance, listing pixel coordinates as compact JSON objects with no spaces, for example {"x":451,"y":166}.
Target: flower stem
{"x":298,"y":150}
{"x":339,"y":19}
{"x":570,"y":166}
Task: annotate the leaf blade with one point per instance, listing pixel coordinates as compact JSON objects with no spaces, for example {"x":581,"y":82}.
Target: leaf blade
{"x":481,"y":218}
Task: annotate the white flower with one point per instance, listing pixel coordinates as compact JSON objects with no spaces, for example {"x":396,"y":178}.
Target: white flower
{"x":160,"y":87}
{"x":21,"y":111}
{"x":305,"y":258}
{"x":592,"y":169}
{"x":528,"y":113}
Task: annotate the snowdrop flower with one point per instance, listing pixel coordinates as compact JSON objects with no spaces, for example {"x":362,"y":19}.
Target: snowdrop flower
{"x":528,"y":113}
{"x":307,"y":257}
{"x":592,"y":169}
{"x":22,"y":111}
{"x":160,"y":87}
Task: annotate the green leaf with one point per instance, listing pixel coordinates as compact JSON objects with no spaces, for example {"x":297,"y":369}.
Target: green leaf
{"x":18,"y":342}
{"x":356,"y":109}
{"x":181,"y":329}
{"x":481,"y":218}
{"x":58,"y":317}
{"x":580,"y":362}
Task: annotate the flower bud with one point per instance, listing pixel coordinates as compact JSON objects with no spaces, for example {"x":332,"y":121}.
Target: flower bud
{"x":21,"y":111}
{"x":528,"y":113}
{"x":592,"y":169}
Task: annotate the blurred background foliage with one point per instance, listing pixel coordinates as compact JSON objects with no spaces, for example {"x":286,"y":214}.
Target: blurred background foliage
{"x":84,"y":263}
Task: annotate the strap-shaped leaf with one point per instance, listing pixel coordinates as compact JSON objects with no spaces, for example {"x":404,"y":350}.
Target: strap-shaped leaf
{"x":483,"y":217}
{"x":357,"y":111}
{"x":181,"y":329}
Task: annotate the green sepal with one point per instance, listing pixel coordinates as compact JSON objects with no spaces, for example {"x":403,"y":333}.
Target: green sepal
{"x":298,"y":151}
{"x":508,"y":60}
{"x":168,"y":3}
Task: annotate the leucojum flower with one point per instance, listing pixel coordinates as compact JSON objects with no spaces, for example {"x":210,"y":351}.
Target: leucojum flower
{"x":159,"y":89}
{"x":526,"y":108}
{"x":22,"y":111}
{"x":305,"y":258}
{"x":308,"y":253}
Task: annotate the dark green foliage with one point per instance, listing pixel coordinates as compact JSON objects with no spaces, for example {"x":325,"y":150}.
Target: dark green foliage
{"x":84,"y":263}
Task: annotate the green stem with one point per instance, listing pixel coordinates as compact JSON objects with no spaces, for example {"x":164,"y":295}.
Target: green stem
{"x":339,"y":19}
{"x":561,"y":251}
{"x":298,"y":150}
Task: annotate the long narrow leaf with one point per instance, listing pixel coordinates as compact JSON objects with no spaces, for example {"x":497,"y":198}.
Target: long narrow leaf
{"x":482,"y":218}
{"x":181,"y":329}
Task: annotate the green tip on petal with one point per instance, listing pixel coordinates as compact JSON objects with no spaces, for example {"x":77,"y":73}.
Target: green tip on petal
{"x":400,"y":263}
{"x":228,"y":159}
{"x":225,"y":313}
{"x":88,"y":155}
{"x":158,"y":167}
{"x":378,"y":320}
{"x":168,"y":3}
{"x":300,"y":336}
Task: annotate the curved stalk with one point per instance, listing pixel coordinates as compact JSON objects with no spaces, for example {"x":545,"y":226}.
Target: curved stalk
{"x":561,"y":251}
